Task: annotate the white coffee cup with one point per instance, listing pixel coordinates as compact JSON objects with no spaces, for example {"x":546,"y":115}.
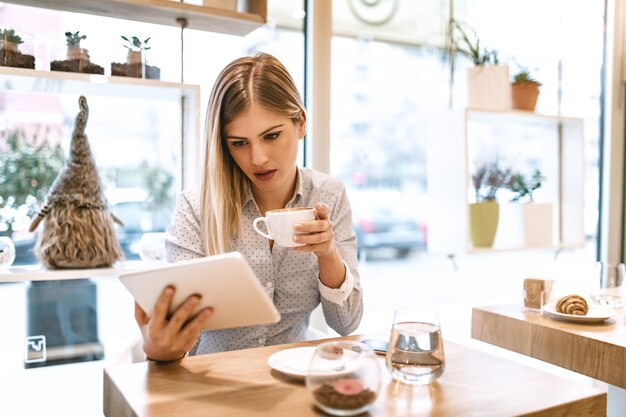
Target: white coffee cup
{"x":280,"y":224}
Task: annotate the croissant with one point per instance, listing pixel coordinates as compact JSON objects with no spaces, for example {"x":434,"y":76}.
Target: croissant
{"x":572,"y":304}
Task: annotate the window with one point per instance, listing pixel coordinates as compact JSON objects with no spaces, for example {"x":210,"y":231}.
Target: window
{"x":136,"y":142}
{"x":396,"y":82}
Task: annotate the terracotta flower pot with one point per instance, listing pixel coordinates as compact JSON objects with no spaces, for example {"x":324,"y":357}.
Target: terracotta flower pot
{"x":524,"y":96}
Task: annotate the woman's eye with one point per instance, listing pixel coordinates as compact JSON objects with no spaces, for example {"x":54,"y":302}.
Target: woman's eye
{"x":237,"y":143}
{"x":272,"y":136}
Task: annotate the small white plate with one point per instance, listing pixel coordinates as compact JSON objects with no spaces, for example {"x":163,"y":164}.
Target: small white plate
{"x":596,"y":314}
{"x":292,"y":362}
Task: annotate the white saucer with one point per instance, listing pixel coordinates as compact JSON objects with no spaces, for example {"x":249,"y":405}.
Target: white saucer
{"x":596,"y":314}
{"x":292,"y":362}
{"x":295,"y":363}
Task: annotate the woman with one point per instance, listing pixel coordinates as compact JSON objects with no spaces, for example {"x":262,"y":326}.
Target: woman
{"x":255,"y":121}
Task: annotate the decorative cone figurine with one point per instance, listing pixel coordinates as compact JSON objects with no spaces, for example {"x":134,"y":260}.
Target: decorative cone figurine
{"x":78,"y":227}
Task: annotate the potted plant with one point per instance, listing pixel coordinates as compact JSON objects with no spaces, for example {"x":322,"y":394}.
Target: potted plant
{"x":74,"y":50}
{"x":136,"y":65}
{"x":488,"y":86}
{"x":484,"y":213}
{"x":524,"y":91}
{"x":10,"y":40}
{"x":77,"y":58}
{"x":136,"y":49}
{"x":10,"y":55}
{"x":534,"y":219}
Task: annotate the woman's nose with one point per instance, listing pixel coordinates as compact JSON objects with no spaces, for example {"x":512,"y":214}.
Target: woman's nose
{"x":260,"y":155}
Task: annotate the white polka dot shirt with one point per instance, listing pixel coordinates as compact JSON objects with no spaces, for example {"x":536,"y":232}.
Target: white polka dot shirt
{"x":290,"y":278}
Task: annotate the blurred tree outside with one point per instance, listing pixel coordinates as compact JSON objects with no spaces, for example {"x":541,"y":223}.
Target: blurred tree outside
{"x":28,"y":167}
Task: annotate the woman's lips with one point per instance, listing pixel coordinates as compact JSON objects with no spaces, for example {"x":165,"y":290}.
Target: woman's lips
{"x":265,"y":175}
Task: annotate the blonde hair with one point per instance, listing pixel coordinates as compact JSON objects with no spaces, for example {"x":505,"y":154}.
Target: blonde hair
{"x":261,"y":79}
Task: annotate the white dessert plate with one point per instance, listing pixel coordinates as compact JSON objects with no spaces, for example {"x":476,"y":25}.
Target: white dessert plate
{"x":295,"y":363}
{"x":292,"y":362}
{"x":596,"y":314}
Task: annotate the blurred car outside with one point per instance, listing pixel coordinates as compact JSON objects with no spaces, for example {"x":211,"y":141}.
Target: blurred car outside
{"x":130,"y":206}
{"x":387,"y":219}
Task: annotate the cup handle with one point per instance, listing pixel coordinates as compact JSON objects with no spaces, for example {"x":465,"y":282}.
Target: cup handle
{"x":256,"y":228}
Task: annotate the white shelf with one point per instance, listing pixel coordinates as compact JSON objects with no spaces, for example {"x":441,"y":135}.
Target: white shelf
{"x":523,"y":247}
{"x":165,"y":12}
{"x":56,"y":82}
{"x":517,"y":116}
{"x":39,"y":273}
{"x":457,"y":137}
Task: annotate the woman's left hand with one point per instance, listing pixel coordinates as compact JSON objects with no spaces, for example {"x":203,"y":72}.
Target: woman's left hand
{"x":320,"y":237}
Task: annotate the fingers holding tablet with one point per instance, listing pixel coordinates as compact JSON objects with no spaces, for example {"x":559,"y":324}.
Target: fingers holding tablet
{"x":169,"y":338}
{"x":175,"y":301}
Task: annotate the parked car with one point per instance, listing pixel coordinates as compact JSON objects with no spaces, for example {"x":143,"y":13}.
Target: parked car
{"x":138,"y":219}
{"x":384,"y":221}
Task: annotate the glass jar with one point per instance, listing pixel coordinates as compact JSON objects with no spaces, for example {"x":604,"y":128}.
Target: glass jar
{"x":343,"y":378}
{"x":7,"y":252}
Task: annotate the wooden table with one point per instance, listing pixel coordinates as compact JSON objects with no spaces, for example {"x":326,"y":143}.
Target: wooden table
{"x":240,"y":383}
{"x":595,"y":350}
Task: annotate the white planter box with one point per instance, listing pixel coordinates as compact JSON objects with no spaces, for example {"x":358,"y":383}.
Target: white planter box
{"x":538,"y":224}
{"x":524,"y":225}
{"x":488,"y":88}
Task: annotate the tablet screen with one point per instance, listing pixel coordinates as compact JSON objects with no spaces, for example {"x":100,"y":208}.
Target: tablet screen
{"x":225,"y":282}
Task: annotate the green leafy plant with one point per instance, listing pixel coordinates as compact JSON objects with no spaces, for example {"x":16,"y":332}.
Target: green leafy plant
{"x":73,"y":39}
{"x":488,"y":179}
{"x":28,"y":168}
{"x":472,"y":49}
{"x":523,"y":76}
{"x":9,"y":35}
{"x":134,"y":44}
{"x":523,"y":187}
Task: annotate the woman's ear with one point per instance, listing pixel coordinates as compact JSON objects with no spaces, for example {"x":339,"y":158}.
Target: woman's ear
{"x":301,"y":125}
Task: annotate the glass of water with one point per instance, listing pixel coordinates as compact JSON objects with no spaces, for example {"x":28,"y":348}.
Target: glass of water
{"x":609,"y":286}
{"x":415,"y":354}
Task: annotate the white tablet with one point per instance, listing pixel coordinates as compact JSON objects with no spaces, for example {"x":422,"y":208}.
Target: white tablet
{"x":226,"y":282}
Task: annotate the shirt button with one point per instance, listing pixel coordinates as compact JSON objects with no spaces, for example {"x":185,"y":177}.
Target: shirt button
{"x":269,"y":284}
{"x":261,"y":340}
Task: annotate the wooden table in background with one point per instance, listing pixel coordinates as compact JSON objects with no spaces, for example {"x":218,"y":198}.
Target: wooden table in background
{"x":596,"y":350}
{"x":240,"y":383}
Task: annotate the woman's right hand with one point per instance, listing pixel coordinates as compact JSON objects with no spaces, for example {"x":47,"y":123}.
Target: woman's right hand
{"x":168,"y":339}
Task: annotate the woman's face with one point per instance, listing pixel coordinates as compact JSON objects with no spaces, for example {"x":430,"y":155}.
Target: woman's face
{"x":264,"y":145}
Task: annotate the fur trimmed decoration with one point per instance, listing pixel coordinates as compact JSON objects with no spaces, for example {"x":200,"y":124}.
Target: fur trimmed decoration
{"x":78,"y":228}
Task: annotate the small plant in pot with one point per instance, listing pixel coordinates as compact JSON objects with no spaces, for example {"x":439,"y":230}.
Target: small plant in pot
{"x":77,"y":58}
{"x":136,"y":65}
{"x":10,"y":55}
{"x":524,"y":91}
{"x":523,"y":187}
{"x":74,"y":50}
{"x":136,"y":49}
{"x":10,"y":40}
{"x":483,"y":215}
{"x":488,"y":86}
{"x":536,"y":218}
